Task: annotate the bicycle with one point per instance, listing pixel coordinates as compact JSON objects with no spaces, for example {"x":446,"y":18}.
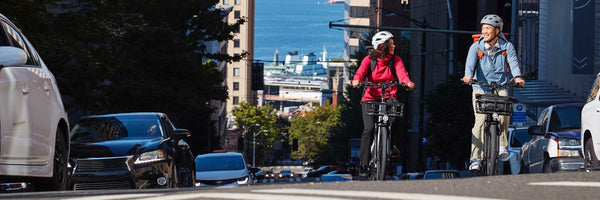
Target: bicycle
{"x":380,"y":148}
{"x":493,"y":105}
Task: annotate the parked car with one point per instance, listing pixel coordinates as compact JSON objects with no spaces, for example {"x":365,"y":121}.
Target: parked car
{"x":270,"y":174}
{"x":556,"y":141}
{"x":34,"y":130}
{"x":130,"y":150}
{"x":590,"y":128}
{"x":219,"y":169}
{"x":286,"y":173}
{"x":516,"y":138}
{"x":320,"y":171}
{"x":335,"y":175}
{"x":441,"y":174}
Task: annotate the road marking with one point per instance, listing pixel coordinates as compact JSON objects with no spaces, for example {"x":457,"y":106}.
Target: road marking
{"x":567,"y":183}
{"x":116,"y":196}
{"x":238,"y":196}
{"x":369,"y":194}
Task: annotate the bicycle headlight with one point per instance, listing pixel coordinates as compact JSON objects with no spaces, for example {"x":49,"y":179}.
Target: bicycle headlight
{"x":151,"y":156}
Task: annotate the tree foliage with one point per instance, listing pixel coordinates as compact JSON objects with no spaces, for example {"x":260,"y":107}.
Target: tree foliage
{"x":313,"y":131}
{"x":246,"y":115}
{"x":451,"y":120}
{"x":132,"y":55}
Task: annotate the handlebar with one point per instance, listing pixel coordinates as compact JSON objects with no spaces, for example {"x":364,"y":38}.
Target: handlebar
{"x":494,"y":85}
{"x":382,"y":85}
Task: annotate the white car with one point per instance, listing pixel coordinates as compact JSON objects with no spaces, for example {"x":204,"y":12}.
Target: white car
{"x":34,"y":130}
{"x":590,"y":128}
{"x":516,"y":138}
{"x":222,"y":169}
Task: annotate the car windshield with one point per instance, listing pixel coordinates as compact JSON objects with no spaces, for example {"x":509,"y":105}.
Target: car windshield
{"x":519,"y":137}
{"x":565,"y":118}
{"x":219,"y":163}
{"x":97,"y":129}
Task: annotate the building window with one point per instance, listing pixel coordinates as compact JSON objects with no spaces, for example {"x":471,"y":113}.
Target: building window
{"x":236,"y":100}
{"x":238,"y":2}
{"x":236,"y":72}
{"x":359,"y":12}
{"x":236,"y":14}
{"x":237,"y":30}
{"x":225,"y":2}
{"x":236,"y":43}
{"x":236,"y":86}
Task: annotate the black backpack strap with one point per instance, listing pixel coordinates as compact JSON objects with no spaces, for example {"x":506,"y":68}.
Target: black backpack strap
{"x":373,"y":64}
{"x":393,"y":68}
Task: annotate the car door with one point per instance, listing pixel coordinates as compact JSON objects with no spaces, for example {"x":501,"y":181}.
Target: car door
{"x":28,"y":138}
{"x":590,"y":116}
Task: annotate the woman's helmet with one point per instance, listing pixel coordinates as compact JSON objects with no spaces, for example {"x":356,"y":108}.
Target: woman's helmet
{"x":493,"y":20}
{"x":380,"y":38}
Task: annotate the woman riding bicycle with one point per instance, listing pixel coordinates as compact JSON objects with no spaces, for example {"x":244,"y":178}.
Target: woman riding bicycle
{"x":383,"y":53}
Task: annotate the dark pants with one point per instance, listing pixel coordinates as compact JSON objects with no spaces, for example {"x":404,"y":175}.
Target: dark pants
{"x":367,"y":134}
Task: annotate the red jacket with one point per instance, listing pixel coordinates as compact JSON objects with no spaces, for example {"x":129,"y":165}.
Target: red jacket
{"x":381,"y":73}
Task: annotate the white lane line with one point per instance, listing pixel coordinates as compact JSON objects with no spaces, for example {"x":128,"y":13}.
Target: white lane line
{"x":115,"y":196}
{"x":567,"y":183}
{"x":249,"y":196}
{"x":369,"y":194}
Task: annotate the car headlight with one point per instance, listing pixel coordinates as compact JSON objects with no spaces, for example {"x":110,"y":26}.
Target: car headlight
{"x":568,"y":142}
{"x":243,"y":180}
{"x":568,"y":153}
{"x":151,"y":156}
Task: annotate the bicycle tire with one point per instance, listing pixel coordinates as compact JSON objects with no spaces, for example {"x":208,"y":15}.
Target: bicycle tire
{"x":492,"y":150}
{"x":382,"y":154}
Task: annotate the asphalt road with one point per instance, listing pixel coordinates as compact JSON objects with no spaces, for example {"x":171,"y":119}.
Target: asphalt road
{"x":570,"y":186}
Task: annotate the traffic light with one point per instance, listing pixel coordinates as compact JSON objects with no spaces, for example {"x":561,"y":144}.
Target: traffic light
{"x":257,"y":76}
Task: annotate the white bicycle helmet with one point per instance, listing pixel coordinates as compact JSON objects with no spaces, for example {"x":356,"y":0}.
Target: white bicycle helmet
{"x":493,"y":20}
{"x":380,"y":38}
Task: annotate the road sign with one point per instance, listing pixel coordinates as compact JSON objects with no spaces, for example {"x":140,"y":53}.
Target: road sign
{"x":519,"y":115}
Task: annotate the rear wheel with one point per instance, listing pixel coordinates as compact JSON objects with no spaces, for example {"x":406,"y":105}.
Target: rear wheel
{"x":492,"y":150}
{"x":591,"y":161}
{"x":59,"y":178}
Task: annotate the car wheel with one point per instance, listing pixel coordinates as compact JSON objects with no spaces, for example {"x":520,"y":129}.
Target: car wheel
{"x":546,"y":167}
{"x":591,"y":161}
{"x":524,"y":169}
{"x":185,"y":177}
{"x":174,"y":177}
{"x":59,"y":178}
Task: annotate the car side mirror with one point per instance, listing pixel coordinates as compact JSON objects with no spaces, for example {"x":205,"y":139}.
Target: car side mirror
{"x":535,"y":130}
{"x":12,"y":56}
{"x":182,"y":133}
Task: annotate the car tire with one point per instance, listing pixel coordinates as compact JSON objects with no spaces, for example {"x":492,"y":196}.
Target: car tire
{"x":591,"y":161}
{"x":524,"y":169}
{"x":185,"y":177}
{"x":174,"y":177}
{"x":59,"y":180}
{"x":546,"y":167}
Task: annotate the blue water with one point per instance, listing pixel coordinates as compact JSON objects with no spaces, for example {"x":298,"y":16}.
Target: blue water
{"x":297,"y":25}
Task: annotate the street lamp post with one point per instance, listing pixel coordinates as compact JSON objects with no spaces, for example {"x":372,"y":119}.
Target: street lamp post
{"x":245,"y":135}
{"x":254,"y":147}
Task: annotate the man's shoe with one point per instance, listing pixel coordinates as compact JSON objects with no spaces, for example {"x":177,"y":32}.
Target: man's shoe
{"x":475,"y":166}
{"x":363,"y":171}
{"x":503,"y":154}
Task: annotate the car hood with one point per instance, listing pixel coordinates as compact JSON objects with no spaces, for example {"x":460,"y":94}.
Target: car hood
{"x":111,"y":148}
{"x":221,"y":175}
{"x":570,"y":134}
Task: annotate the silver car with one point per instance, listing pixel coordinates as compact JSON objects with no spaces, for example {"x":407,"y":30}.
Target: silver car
{"x":34,"y":131}
{"x":516,"y":138}
{"x":222,"y":169}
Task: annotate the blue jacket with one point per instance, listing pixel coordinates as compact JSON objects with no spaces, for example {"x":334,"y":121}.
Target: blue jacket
{"x":489,"y":69}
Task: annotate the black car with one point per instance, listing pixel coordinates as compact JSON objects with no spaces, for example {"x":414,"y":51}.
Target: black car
{"x":322,"y":170}
{"x":130,"y":150}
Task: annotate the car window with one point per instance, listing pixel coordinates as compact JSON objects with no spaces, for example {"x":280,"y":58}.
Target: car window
{"x":17,"y":41}
{"x":219,"y":163}
{"x":97,"y":129}
{"x":543,"y":118}
{"x":565,"y":118}
{"x":519,"y":137}
{"x":594,"y":90}
{"x":3,"y":36}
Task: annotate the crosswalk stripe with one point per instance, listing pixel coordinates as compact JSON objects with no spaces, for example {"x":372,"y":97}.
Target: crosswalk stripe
{"x":567,"y":183}
{"x":249,"y":196}
{"x":369,"y":194}
{"x":116,"y":196}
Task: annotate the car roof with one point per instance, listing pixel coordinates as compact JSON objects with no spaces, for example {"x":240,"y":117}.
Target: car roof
{"x":134,"y":114}
{"x":218,"y":154}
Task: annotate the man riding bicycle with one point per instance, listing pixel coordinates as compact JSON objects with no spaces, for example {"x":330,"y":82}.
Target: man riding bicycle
{"x":383,"y":59}
{"x":491,"y":58}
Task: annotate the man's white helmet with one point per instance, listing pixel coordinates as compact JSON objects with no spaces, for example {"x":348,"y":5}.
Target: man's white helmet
{"x":380,"y":38}
{"x":493,"y":20}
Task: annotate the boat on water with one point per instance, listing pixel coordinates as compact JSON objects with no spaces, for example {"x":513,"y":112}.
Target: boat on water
{"x":335,"y":1}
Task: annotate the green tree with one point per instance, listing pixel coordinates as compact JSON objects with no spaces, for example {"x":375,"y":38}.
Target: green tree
{"x":451,"y":120}
{"x":313,"y":131}
{"x":133,"y":55}
{"x":245,"y":116}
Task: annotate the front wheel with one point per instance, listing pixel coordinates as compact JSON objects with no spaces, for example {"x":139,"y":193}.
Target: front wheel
{"x":591,"y":161}
{"x":492,"y":150}
{"x":382,"y":154}
{"x":59,"y":180}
